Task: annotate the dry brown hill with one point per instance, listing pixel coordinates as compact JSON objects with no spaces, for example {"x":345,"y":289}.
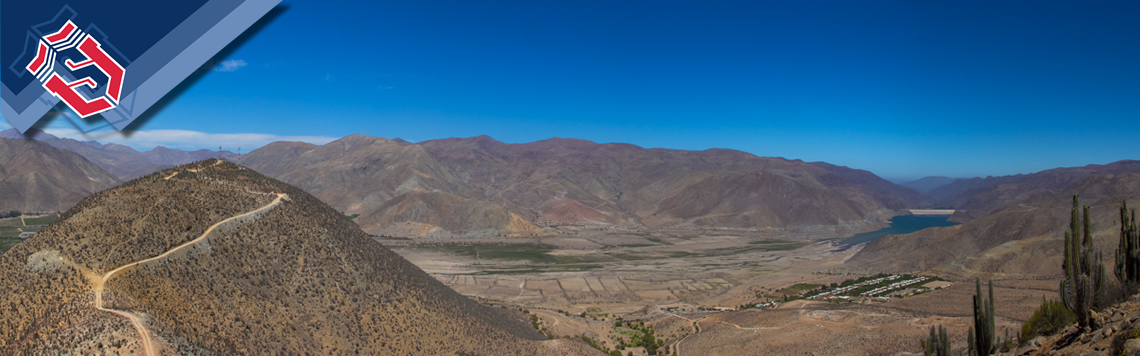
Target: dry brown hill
{"x":36,"y":177}
{"x":421,"y":213}
{"x":284,"y":274}
{"x":1020,"y":241}
{"x":567,"y":181}
{"x":993,"y":194}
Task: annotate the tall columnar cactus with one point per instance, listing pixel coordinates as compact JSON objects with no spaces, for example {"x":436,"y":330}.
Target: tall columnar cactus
{"x":982,"y":338}
{"x":938,"y":343}
{"x":1128,"y":252}
{"x":1084,"y":268}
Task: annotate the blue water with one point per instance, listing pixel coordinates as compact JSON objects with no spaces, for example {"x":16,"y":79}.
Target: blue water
{"x":899,"y":225}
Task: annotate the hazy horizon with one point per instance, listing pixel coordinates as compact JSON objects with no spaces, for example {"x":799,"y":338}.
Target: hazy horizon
{"x":901,"y":89}
{"x":192,"y":140}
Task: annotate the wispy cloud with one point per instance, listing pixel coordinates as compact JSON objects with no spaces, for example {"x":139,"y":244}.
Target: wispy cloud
{"x":231,"y":65}
{"x":185,"y":139}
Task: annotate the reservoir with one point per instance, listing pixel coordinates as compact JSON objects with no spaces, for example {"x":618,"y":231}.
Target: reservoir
{"x":903,"y":224}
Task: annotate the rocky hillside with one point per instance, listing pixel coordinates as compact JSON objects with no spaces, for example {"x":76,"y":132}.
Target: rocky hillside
{"x":565,"y":181}
{"x":978,"y":197}
{"x":36,"y":177}
{"x":284,"y":274}
{"x":1023,"y":240}
{"x":1115,"y":332}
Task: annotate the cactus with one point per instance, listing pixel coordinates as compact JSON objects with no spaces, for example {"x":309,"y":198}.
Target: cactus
{"x":982,"y":339}
{"x":1084,"y":269}
{"x":938,"y":343}
{"x":1128,"y":252}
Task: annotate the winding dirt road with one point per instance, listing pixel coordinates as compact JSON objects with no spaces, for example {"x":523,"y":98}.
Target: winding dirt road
{"x":136,"y":321}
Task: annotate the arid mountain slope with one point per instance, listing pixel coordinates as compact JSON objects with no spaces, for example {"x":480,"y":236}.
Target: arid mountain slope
{"x":356,"y":174}
{"x":943,"y":194}
{"x":36,"y":177}
{"x":295,"y":278}
{"x":996,"y":193}
{"x":567,"y":181}
{"x":419,"y":213}
{"x":925,"y":184}
{"x":1024,"y":240}
{"x":892,"y":195}
{"x":123,"y":162}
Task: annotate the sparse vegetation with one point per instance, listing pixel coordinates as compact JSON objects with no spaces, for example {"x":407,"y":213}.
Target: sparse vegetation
{"x":640,"y":334}
{"x":1084,"y":268}
{"x":982,"y":334}
{"x":1128,"y":252}
{"x":1050,"y":317}
{"x":300,"y":278}
{"x":937,"y":343}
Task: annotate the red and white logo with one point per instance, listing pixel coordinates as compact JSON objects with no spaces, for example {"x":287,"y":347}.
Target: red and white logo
{"x":44,"y":67}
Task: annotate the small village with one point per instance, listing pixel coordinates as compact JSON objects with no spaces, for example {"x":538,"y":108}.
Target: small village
{"x":881,"y":288}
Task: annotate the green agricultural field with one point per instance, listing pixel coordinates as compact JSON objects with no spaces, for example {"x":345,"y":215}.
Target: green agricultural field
{"x":632,"y":257}
{"x":43,"y":220}
{"x":776,"y":245}
{"x":13,"y":222}
{"x":7,"y":243}
{"x":800,"y":287}
{"x":536,"y":253}
{"x":493,"y":270}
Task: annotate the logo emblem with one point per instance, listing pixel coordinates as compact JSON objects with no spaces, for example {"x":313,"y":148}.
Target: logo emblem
{"x":113,"y":59}
{"x":90,"y":52}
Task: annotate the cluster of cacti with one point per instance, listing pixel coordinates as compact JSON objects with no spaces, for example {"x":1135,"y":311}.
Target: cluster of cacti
{"x":1128,"y":252}
{"x":938,"y":343}
{"x":1084,"y":268}
{"x":982,"y":339}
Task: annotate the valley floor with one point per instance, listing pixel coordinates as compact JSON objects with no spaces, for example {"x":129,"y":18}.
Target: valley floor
{"x":688,"y":285}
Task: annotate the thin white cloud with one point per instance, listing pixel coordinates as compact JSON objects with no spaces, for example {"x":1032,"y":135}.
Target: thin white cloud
{"x":185,"y":139}
{"x":231,"y":65}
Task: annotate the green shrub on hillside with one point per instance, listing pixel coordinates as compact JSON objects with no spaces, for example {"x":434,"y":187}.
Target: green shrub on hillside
{"x":1050,"y":317}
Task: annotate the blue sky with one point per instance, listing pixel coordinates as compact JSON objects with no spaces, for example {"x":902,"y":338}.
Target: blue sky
{"x":901,"y":88}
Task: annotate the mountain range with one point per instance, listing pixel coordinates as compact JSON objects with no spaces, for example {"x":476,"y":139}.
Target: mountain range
{"x":1023,"y":235}
{"x":124,"y":162}
{"x":520,"y":189}
{"x":213,"y":258}
{"x":926,"y":184}
{"x":38,"y":178}
{"x":482,"y":187}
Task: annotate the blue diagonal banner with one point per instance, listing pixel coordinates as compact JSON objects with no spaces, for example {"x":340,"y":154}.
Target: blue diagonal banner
{"x":114,"y":58}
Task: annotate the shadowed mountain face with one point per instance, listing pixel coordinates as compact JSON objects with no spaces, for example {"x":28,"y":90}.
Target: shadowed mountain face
{"x":36,"y":177}
{"x":1023,"y":240}
{"x":290,"y":276}
{"x":123,"y":162}
{"x":926,"y":184}
{"x":993,"y":194}
{"x":566,"y":181}
{"x":942,"y":195}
